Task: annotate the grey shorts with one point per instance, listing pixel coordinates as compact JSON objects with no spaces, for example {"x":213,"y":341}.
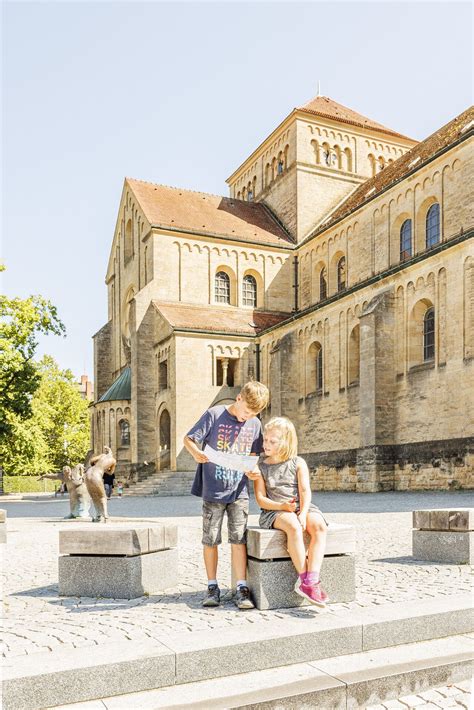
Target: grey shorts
{"x":213,"y":515}
{"x":267,"y":517}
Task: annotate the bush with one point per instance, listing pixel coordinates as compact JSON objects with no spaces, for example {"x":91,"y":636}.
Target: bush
{"x":28,"y":484}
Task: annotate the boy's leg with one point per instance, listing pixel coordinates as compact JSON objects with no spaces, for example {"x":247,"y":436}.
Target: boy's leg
{"x":211,"y":555}
{"x":237,"y":516}
{"x":212,"y":516}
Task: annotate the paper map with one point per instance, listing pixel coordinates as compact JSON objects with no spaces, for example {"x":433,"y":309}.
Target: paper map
{"x":236,"y":462}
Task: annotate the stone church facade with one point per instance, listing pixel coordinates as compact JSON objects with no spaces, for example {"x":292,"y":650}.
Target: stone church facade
{"x":339,"y":271}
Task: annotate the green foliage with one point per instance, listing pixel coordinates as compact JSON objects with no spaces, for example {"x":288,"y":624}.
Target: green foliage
{"x":21,"y":321}
{"x":57,"y":433}
{"x":28,"y":484}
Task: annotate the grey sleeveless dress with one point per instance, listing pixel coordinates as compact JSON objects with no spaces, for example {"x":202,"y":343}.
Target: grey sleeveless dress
{"x":281,"y":483}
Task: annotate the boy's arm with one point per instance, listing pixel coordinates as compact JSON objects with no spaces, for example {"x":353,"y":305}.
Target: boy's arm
{"x":194,"y":450}
{"x":266,"y":503}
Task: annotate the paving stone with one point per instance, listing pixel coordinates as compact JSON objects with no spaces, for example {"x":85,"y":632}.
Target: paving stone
{"x":412,"y":701}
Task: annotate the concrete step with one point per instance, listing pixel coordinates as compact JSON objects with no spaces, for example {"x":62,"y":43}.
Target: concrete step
{"x":32,"y":682}
{"x":353,"y":681}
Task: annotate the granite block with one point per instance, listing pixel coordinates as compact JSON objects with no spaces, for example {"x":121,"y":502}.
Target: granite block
{"x":43,"y":680}
{"x":376,"y":676}
{"x":257,"y":647}
{"x":444,"y":546}
{"x":118,"y":577}
{"x":461,"y":519}
{"x":3,"y":515}
{"x":272,"y":582}
{"x":3,"y":532}
{"x":272,"y":544}
{"x":117,"y":540}
{"x":420,"y":621}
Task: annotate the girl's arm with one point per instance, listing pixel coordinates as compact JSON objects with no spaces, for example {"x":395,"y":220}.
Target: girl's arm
{"x":304,"y":489}
{"x":266,"y":503}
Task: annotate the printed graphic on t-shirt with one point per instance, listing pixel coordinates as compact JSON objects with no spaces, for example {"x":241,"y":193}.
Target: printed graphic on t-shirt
{"x":232,"y":439}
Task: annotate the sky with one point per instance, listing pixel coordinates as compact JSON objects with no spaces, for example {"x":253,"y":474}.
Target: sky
{"x":180,"y":94}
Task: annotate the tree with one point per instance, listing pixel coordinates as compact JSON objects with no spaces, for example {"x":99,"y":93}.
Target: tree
{"x":57,"y":433}
{"x":21,"y":321}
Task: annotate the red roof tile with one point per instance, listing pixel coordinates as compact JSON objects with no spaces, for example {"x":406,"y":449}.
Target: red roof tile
{"x":327,"y":108}
{"x":393,"y":172}
{"x":210,"y":215}
{"x":222,"y":319}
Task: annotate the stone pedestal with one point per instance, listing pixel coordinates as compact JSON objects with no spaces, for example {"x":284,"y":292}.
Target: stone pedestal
{"x":118,"y":562}
{"x":3,"y":525}
{"x":444,"y":535}
{"x":272,"y":576}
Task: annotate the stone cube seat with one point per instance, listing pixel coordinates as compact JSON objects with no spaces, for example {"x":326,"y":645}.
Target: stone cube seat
{"x":118,"y":561}
{"x":444,"y":535}
{"x":272,"y":576}
{"x":3,"y":525}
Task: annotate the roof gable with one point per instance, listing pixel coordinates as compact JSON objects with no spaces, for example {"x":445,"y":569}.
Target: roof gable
{"x":208,"y":215}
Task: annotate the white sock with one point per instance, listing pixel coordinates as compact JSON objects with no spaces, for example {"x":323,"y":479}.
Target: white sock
{"x":211,"y":581}
{"x":241,"y":583}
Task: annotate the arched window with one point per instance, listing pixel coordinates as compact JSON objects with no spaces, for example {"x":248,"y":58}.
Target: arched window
{"x":341,"y":274}
{"x":405,"y":240}
{"x":124,"y":432}
{"x":314,"y":370}
{"x":432,"y":225}
{"x":249,"y":291}
{"x":128,"y":250}
{"x":323,"y":284}
{"x":429,"y":335}
{"x":354,"y":356}
{"x":222,"y":287}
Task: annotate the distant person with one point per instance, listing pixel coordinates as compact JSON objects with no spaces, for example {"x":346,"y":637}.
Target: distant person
{"x":119,"y":489}
{"x":109,"y":479}
{"x":232,"y":429}
{"x":283,"y":492}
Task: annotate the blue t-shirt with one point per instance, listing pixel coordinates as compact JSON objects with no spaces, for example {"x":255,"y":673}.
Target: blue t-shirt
{"x":223,"y":432}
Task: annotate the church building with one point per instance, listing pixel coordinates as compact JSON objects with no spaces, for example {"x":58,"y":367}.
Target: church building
{"x":339,"y":272}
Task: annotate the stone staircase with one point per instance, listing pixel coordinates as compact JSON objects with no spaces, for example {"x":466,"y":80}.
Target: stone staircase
{"x":162,"y":483}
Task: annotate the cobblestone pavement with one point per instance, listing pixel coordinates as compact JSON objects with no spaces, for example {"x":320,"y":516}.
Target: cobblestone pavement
{"x":35,"y":619}
{"x":458,"y":695}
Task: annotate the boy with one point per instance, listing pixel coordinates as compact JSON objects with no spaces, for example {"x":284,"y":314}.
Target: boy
{"x":232,"y":429}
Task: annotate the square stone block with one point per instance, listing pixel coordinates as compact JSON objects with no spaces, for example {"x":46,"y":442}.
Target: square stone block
{"x":265,"y":544}
{"x":444,"y":546}
{"x":421,"y":519}
{"x":272,"y":582}
{"x":113,"y":539}
{"x":3,"y":515}
{"x":118,"y":577}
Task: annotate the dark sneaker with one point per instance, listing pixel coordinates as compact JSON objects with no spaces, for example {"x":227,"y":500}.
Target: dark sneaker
{"x":213,"y":597}
{"x":242,"y":598}
{"x":314,"y":593}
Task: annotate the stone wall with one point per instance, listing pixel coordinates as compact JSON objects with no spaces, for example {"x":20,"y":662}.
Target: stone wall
{"x":103,"y":375}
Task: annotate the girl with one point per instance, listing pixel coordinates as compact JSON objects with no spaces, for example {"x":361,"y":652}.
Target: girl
{"x":284,"y":494}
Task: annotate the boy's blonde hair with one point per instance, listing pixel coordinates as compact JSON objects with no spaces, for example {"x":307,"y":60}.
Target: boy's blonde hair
{"x":289,"y":441}
{"x":255,"y":396}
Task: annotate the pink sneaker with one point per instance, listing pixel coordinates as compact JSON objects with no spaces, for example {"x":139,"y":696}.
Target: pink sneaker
{"x":314,"y":593}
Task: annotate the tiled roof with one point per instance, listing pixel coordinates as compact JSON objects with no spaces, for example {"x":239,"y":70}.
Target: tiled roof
{"x":221,"y":319}
{"x":200,"y":212}
{"x":327,"y":108}
{"x":393,"y":172}
{"x":120,"y":389}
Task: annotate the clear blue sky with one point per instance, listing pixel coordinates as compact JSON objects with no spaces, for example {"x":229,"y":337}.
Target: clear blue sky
{"x":180,"y":93}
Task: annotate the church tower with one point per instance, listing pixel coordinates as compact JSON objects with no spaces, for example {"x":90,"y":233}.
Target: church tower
{"x":313,"y":160}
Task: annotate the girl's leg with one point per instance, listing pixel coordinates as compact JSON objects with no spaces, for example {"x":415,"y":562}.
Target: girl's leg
{"x":289,"y":523}
{"x":317,"y":530}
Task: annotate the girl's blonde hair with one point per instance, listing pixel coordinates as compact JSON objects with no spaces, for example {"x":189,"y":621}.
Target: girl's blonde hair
{"x":289,"y":441}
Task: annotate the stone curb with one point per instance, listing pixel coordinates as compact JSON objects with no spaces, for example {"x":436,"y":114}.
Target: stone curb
{"x":353,"y":681}
{"x":43,"y":680}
